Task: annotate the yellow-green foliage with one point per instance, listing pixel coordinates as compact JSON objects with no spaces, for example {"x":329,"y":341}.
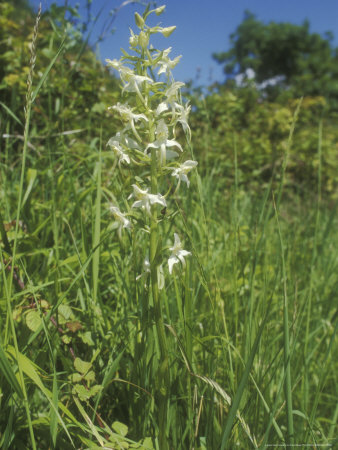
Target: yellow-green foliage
{"x":259,"y":130}
{"x":78,"y":85}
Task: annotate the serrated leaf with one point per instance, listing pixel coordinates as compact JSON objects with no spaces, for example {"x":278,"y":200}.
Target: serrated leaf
{"x":85,"y":394}
{"x":90,"y":376}
{"x":81,"y":392}
{"x":66,"y":339}
{"x":82,"y":366}
{"x":33,"y":320}
{"x":87,"y":338}
{"x":65,"y":313}
{"x":120,"y":428}
{"x":95,"y":389}
{"x":75,"y":377}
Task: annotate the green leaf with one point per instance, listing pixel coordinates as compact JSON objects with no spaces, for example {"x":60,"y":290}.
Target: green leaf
{"x":7,"y":371}
{"x":33,"y":319}
{"x":31,"y":176}
{"x":10,"y":112}
{"x":90,"y":376}
{"x":81,"y":392}
{"x":65,"y":311}
{"x":66,"y":339}
{"x":87,"y":338}
{"x":82,"y":366}
{"x":120,"y":428}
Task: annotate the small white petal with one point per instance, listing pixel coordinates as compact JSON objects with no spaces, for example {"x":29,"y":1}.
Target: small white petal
{"x":178,"y":254}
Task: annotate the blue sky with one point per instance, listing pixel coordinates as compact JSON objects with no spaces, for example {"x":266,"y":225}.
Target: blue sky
{"x":204,"y":26}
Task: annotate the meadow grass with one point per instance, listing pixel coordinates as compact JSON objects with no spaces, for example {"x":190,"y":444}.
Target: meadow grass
{"x":247,"y":333}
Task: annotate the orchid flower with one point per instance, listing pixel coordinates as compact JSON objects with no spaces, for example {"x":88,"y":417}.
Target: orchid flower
{"x":118,"y":150}
{"x":177,"y":254}
{"x":130,"y":80}
{"x":182,"y":118}
{"x":145,"y":200}
{"x":181,"y":172}
{"x":162,"y":141}
{"x":121,"y":219}
{"x":166,"y":63}
{"x":119,"y":143}
{"x":127,"y":115}
{"x":171,"y":97}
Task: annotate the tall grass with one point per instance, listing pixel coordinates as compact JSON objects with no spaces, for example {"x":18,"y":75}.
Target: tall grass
{"x":248,"y":335}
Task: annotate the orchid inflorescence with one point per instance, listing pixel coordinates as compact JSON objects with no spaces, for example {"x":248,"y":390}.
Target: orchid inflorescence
{"x":152,"y":115}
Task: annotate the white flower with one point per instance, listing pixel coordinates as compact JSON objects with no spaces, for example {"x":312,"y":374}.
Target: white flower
{"x":184,"y":112}
{"x":162,"y":141}
{"x":177,"y":254}
{"x":119,"y":143}
{"x":166,"y":63}
{"x":133,"y":40}
{"x":118,"y":150}
{"x":181,"y":172}
{"x":130,"y":80}
{"x":145,"y":200}
{"x":127,"y":115}
{"x":172,"y":92}
{"x":120,"y":218}
{"x":171,"y":95}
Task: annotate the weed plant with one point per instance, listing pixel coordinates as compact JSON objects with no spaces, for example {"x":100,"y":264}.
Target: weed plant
{"x":114,"y":336}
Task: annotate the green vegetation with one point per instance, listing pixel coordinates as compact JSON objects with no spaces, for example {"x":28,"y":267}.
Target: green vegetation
{"x":240,"y":347}
{"x":298,"y":60}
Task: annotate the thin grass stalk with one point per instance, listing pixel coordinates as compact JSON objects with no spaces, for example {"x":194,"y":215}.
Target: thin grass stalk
{"x":20,"y":197}
{"x":286,"y":157}
{"x":235,"y":225}
{"x":188,"y":341}
{"x":96,"y":241}
{"x":234,"y":410}
{"x":286,"y":339}
{"x":305,"y":383}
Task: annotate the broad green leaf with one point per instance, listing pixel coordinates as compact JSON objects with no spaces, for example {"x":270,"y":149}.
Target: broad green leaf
{"x":87,"y":338}
{"x":90,"y":376}
{"x":33,"y":319}
{"x":66,"y":339}
{"x":65,"y":311}
{"x":120,"y":428}
{"x":82,"y":366}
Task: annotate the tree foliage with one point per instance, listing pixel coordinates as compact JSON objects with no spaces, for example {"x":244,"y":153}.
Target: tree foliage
{"x":76,"y":85}
{"x":304,"y":63}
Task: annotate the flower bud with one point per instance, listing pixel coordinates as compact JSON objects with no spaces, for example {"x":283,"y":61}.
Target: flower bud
{"x":143,"y":40}
{"x":159,"y":10}
{"x":139,"y":20}
{"x":167,"y":31}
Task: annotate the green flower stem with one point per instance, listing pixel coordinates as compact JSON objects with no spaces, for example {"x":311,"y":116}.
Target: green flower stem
{"x":163,"y":378}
